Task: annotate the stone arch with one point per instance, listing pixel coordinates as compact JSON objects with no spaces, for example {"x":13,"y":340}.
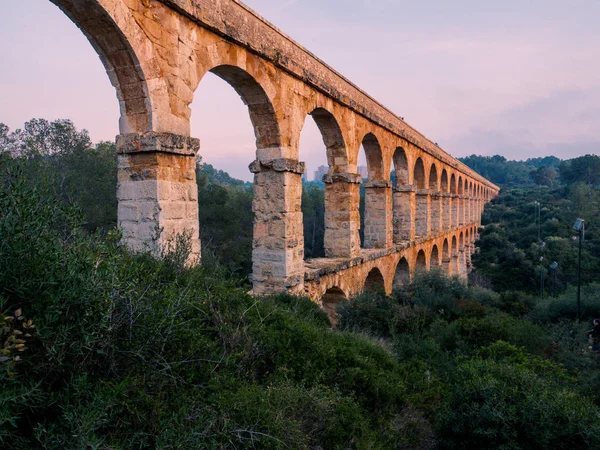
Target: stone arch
{"x":401,"y":200}
{"x":444,"y":181}
{"x":446,"y":257}
{"x":454,"y":260}
{"x":402,"y":273}
{"x":277,"y":185}
{"x":455,"y":204}
{"x":421,"y":261}
{"x":376,"y":233}
{"x":401,"y":167}
{"x":337,"y":156}
{"x":453,"y":188}
{"x":461,"y":241}
{"x":461,"y":202}
{"x":420,"y":181}
{"x":332,"y":297}
{"x":446,"y":201}
{"x":422,"y":200}
{"x":445,"y":249}
{"x":374,"y":281}
{"x":260,"y":107}
{"x":434,"y":257}
{"x":435,"y":205}
{"x":106,"y":26}
{"x":433,"y":178}
{"x":341,"y":236}
{"x":374,"y":157}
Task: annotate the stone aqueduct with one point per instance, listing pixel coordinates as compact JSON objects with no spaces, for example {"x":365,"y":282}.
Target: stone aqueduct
{"x":156,"y":52}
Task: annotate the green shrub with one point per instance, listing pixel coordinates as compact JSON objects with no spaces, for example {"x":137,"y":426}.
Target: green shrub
{"x":565,"y":306}
{"x":134,"y":352}
{"x":507,"y":399}
{"x":382,"y":317}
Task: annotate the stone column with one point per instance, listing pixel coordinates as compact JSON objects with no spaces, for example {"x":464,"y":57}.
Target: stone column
{"x":468,"y":252}
{"x":446,"y":212}
{"x":157,"y":192}
{"x":454,"y":265}
{"x":378,"y":214}
{"x":422,"y":222}
{"x":463,"y":262}
{"x":447,"y":266}
{"x":342,"y":217}
{"x":455,"y":210}
{"x":278,"y":244}
{"x":404,"y":200}
{"x":462,"y":212}
{"x":435,"y":202}
{"x":471,"y":210}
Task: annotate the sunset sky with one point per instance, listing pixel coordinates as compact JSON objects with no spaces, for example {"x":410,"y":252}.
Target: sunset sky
{"x":520,"y":78}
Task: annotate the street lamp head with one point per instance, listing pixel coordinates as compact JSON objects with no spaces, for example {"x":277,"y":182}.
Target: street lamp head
{"x":554,"y":265}
{"x":543,"y":245}
{"x":578,"y":224}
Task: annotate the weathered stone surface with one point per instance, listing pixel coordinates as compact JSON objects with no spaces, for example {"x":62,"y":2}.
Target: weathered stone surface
{"x":157,"y":51}
{"x":157,"y":142}
{"x":278,"y":165}
{"x":350,"y":274}
{"x":377,"y":184}
{"x":158,"y":200}
{"x":353,"y":178}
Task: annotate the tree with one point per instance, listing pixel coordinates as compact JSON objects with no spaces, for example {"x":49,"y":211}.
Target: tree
{"x":544,"y":176}
{"x":585,"y":169}
{"x":313,"y":210}
{"x":41,"y":138}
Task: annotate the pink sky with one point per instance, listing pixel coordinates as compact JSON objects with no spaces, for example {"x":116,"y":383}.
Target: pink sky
{"x":516,"y":78}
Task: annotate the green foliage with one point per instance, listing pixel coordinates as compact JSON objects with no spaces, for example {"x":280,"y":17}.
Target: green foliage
{"x":133,"y":352}
{"x":509,"y":252}
{"x":585,"y":169}
{"x":127,"y":351}
{"x":226,"y":220}
{"x":514,"y":173}
{"x":503,"y":398}
{"x":545,"y":176}
{"x":313,"y":211}
{"x":79,"y":172}
{"x":564,"y":306}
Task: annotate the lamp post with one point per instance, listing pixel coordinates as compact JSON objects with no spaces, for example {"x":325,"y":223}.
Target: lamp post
{"x":580,"y":228}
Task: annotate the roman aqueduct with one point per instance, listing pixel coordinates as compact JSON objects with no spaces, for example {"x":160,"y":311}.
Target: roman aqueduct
{"x":156,"y":52}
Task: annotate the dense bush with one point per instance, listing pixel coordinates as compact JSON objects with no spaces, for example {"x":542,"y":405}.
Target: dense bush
{"x":504,"y":381}
{"x":565,"y":305}
{"x":133,"y":352}
{"x":504,"y":398}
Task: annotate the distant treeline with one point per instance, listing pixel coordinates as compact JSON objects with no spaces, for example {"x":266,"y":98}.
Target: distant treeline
{"x":503,"y":172}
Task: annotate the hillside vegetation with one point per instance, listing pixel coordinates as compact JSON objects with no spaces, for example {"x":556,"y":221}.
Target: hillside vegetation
{"x":108,"y":350}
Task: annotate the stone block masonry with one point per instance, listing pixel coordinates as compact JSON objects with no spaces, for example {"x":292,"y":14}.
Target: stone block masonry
{"x":156,"y":52}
